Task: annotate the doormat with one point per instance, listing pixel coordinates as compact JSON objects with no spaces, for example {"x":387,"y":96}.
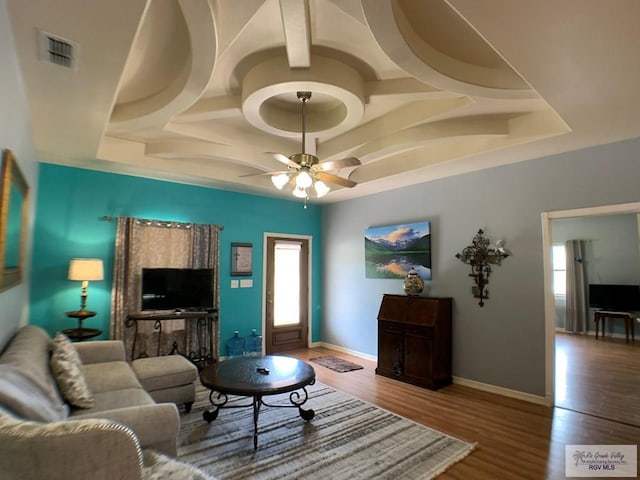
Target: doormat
{"x":336,"y":364}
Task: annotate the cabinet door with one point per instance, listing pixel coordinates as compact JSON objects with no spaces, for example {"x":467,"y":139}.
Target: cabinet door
{"x":418,"y":357}
{"x":390,"y":350}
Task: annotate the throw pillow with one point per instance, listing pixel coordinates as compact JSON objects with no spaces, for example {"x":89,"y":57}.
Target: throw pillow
{"x":67,"y":368}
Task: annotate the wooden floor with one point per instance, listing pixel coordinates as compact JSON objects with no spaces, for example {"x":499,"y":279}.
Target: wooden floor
{"x":600,"y":377}
{"x":515,"y":439}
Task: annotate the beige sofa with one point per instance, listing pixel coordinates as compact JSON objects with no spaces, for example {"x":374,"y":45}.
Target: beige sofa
{"x":41,"y":436}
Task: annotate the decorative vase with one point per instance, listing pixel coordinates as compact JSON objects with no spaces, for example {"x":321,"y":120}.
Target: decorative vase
{"x":413,"y":284}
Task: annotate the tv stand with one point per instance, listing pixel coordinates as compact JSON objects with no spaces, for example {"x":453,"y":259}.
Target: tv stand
{"x":626,"y":316}
{"x":206,"y":323}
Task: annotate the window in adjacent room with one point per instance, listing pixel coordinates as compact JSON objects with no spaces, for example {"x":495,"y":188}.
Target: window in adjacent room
{"x":559,"y":262}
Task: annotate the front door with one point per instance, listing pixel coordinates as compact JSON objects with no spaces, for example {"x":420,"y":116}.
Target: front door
{"x":287,"y":294}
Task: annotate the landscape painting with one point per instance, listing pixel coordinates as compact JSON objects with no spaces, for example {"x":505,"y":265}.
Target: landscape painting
{"x":390,"y":252}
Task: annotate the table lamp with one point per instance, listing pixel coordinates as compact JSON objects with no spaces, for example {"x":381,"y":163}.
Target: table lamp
{"x":84,"y":270}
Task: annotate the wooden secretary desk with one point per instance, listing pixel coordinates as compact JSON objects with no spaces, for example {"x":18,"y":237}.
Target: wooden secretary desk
{"x":414,"y":340}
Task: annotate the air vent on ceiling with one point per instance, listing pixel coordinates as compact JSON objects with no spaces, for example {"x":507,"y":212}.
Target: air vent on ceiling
{"x":58,"y":50}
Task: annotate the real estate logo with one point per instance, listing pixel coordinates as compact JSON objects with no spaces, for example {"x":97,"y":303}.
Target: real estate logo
{"x":601,"y":461}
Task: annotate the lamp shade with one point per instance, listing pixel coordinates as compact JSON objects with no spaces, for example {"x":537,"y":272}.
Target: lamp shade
{"x":280,"y":180}
{"x":321,"y":188}
{"x":83,"y":269}
{"x":303,"y":179}
{"x":300,"y":192}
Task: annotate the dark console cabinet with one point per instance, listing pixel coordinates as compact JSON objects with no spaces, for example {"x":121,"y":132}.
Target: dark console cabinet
{"x":414,"y":340}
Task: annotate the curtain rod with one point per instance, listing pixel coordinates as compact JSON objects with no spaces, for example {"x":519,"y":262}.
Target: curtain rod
{"x":157,"y":223}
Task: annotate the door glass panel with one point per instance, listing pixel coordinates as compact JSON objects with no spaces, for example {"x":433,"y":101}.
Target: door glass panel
{"x":286,"y":284}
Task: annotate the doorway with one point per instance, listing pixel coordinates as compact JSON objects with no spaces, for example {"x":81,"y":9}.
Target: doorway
{"x":286,"y":296}
{"x":555,"y":345}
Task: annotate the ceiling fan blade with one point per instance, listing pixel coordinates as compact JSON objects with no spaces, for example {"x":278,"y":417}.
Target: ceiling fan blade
{"x":284,"y":159}
{"x":264,"y":173}
{"x":330,"y":178}
{"x":337,"y":164}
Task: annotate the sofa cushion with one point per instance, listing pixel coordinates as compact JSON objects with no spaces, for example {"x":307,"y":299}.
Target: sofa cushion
{"x":26,"y":398}
{"x":67,"y":370}
{"x":108,"y":376}
{"x":103,"y":401}
{"x":28,"y":351}
{"x":156,"y":373}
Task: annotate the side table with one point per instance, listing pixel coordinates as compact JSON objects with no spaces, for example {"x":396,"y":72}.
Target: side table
{"x":81,"y":333}
{"x":626,"y":316}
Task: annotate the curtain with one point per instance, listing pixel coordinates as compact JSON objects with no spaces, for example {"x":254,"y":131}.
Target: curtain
{"x":205,"y":253}
{"x":576,"y":311}
{"x":143,"y":243}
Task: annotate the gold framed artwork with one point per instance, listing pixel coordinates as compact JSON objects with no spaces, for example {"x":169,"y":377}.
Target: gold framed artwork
{"x":241,"y":259}
{"x":14,"y":198}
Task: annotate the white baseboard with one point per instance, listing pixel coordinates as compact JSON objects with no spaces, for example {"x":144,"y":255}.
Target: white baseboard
{"x":355,"y":353}
{"x":505,"y":392}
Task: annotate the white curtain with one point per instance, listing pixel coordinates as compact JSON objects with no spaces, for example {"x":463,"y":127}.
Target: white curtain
{"x":576,"y":314}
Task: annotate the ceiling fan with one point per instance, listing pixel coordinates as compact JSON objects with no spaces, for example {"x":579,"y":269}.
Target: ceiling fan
{"x":305,"y":170}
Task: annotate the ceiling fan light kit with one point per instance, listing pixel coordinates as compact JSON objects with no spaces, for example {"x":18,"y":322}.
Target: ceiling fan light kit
{"x":304,"y":171}
{"x":303,"y":180}
{"x":280,"y":180}
{"x":300,"y":193}
{"x":321,"y":188}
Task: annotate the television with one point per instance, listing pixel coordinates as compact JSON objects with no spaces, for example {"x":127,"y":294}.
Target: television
{"x":177,"y":288}
{"x":617,"y":298}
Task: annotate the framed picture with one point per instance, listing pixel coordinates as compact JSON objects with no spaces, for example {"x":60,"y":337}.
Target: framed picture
{"x":241,"y":261}
{"x":390,"y":252}
{"x":14,"y":197}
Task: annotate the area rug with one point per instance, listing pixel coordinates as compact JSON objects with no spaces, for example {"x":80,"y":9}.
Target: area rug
{"x":336,"y":364}
{"x":347,"y":439}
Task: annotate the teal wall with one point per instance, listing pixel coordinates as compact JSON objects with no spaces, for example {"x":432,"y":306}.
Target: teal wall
{"x":72,"y":201}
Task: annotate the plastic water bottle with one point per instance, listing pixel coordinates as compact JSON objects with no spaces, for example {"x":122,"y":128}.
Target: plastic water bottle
{"x":235,"y":345}
{"x":253,"y":344}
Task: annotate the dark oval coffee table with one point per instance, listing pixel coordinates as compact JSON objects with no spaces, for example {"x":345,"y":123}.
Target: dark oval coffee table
{"x":258,"y":377}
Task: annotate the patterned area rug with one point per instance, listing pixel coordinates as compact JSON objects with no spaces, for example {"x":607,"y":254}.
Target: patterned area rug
{"x":337,"y":364}
{"x":347,"y":439}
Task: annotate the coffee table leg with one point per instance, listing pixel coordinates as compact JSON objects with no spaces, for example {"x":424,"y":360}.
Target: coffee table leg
{"x":257,"y":402}
{"x":298,"y":400}
{"x":217,"y":401}
{"x":306,"y":415}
